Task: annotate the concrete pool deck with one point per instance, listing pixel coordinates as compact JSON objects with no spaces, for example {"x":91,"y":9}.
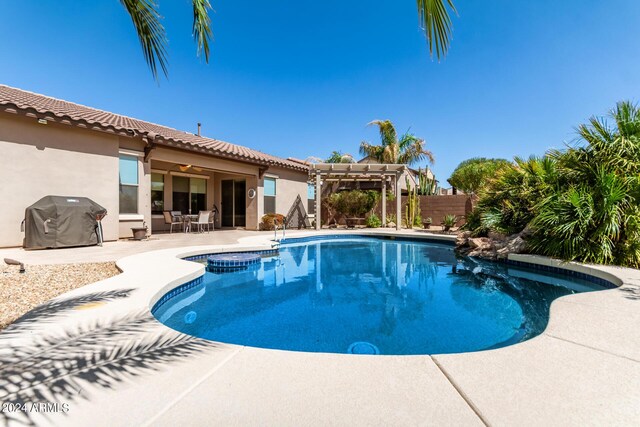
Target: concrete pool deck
{"x":99,"y":350}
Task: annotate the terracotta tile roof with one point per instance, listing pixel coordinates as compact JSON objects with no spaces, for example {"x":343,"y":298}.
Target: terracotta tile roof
{"x":41,"y":106}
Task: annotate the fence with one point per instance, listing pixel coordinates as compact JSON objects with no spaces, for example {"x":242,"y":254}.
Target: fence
{"x":435,"y":207}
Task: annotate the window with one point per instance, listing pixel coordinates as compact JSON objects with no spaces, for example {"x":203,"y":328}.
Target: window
{"x":198,"y":195}
{"x":311,"y":199}
{"x":157,"y":193}
{"x":128,"y":184}
{"x":269,"y":195}
{"x":189,"y":194}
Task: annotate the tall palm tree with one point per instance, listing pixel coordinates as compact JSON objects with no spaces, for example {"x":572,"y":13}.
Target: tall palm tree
{"x":406,"y":149}
{"x":434,"y":18}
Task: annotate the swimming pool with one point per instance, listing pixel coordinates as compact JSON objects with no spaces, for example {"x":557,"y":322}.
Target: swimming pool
{"x":367,"y":295}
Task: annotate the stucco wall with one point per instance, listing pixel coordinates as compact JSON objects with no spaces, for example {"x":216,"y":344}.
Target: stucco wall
{"x":39,"y":160}
{"x":136,"y":147}
{"x":55,"y":159}
{"x":289,"y":185}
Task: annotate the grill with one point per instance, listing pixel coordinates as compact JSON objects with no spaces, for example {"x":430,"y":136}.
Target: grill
{"x":60,"y":222}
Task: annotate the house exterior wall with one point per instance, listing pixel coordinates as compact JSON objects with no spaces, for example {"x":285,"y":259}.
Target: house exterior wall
{"x":57,"y":159}
{"x":289,"y":185}
{"x":135,"y":147}
{"x":40,"y":160}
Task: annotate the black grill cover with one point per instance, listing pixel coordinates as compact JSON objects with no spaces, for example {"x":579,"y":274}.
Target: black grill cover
{"x":59,"y":222}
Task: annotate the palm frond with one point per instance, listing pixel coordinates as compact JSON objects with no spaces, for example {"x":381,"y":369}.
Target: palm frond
{"x":151,"y":33}
{"x":388,"y":134}
{"x":373,"y":151}
{"x":436,"y":24}
{"x":202,"y":26}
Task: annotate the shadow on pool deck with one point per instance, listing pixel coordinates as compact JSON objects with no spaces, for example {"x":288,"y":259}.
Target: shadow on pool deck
{"x":55,"y":367}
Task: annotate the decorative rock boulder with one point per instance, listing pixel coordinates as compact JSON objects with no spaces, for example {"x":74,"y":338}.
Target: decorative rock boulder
{"x":496,"y":246}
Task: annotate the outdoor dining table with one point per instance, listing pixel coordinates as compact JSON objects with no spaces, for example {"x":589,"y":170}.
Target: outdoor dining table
{"x":186,"y":222}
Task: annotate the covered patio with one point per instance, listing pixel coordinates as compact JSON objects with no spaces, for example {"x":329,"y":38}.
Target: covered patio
{"x":389,"y":174}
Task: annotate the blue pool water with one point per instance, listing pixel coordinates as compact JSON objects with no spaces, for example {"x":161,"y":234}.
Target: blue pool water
{"x":369,"y":296}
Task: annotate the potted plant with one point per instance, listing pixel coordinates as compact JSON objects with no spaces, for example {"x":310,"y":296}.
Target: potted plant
{"x":426,"y":223}
{"x":449,"y":221}
{"x":140,"y":233}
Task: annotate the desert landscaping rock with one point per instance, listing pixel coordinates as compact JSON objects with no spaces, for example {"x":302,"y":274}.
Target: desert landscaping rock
{"x":496,"y":246}
{"x":21,"y":292}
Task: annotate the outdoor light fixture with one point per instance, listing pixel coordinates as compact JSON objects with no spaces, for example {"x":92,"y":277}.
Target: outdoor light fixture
{"x":42,"y":121}
{"x":10,"y":261}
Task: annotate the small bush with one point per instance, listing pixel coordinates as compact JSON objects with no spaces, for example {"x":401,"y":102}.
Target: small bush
{"x":269,"y":220}
{"x":449,"y":221}
{"x":354,"y":203}
{"x":373,"y":221}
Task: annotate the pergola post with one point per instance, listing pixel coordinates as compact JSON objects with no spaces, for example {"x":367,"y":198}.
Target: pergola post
{"x":384,"y":201}
{"x":318,"y":202}
{"x":398,"y":203}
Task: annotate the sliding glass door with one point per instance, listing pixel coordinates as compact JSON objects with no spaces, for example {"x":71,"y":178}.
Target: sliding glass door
{"x":189,"y":194}
{"x":233,"y":201}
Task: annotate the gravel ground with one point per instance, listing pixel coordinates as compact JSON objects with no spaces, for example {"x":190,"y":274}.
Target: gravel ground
{"x":20,"y":293}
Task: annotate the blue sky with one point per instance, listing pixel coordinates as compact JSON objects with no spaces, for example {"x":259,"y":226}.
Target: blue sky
{"x":304,"y":78}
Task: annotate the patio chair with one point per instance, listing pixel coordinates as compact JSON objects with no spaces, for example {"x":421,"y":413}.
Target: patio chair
{"x":203,"y":221}
{"x":170,"y":219}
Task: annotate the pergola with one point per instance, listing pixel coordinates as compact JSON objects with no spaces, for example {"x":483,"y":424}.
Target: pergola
{"x":344,"y":172}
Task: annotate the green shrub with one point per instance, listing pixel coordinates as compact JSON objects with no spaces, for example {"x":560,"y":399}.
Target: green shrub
{"x":373,"y":221}
{"x":449,"y":221}
{"x":582,"y":203}
{"x":355,"y":203}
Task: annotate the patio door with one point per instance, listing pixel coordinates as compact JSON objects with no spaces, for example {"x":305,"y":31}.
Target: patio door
{"x":189,"y":194}
{"x":233,"y":204}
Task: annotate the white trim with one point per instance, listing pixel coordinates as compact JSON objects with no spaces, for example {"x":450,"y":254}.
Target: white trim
{"x":130,"y":217}
{"x":189,"y":175}
{"x":159,"y":171}
{"x":130,"y":152}
{"x":270,"y":175}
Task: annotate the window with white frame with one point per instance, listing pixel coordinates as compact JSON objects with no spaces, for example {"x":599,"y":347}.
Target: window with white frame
{"x":128,"y":184}
{"x":269,"y":195}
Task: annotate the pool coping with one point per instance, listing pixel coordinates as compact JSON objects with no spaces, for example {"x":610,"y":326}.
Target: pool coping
{"x":154,"y":274}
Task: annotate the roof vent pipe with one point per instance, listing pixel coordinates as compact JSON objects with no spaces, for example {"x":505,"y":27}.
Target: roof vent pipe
{"x":199,"y":126}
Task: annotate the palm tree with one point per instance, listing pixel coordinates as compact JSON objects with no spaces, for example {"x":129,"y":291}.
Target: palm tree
{"x":434,"y":18}
{"x":594,"y":215}
{"x":407,"y":149}
{"x":340,"y":157}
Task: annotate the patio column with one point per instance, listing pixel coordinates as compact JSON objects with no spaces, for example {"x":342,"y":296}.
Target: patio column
{"x":318,"y":202}
{"x":398,"y":203}
{"x":384,"y":201}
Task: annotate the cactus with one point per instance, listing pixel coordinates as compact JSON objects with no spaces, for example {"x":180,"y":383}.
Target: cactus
{"x":412,"y":209}
{"x":427,"y":186}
